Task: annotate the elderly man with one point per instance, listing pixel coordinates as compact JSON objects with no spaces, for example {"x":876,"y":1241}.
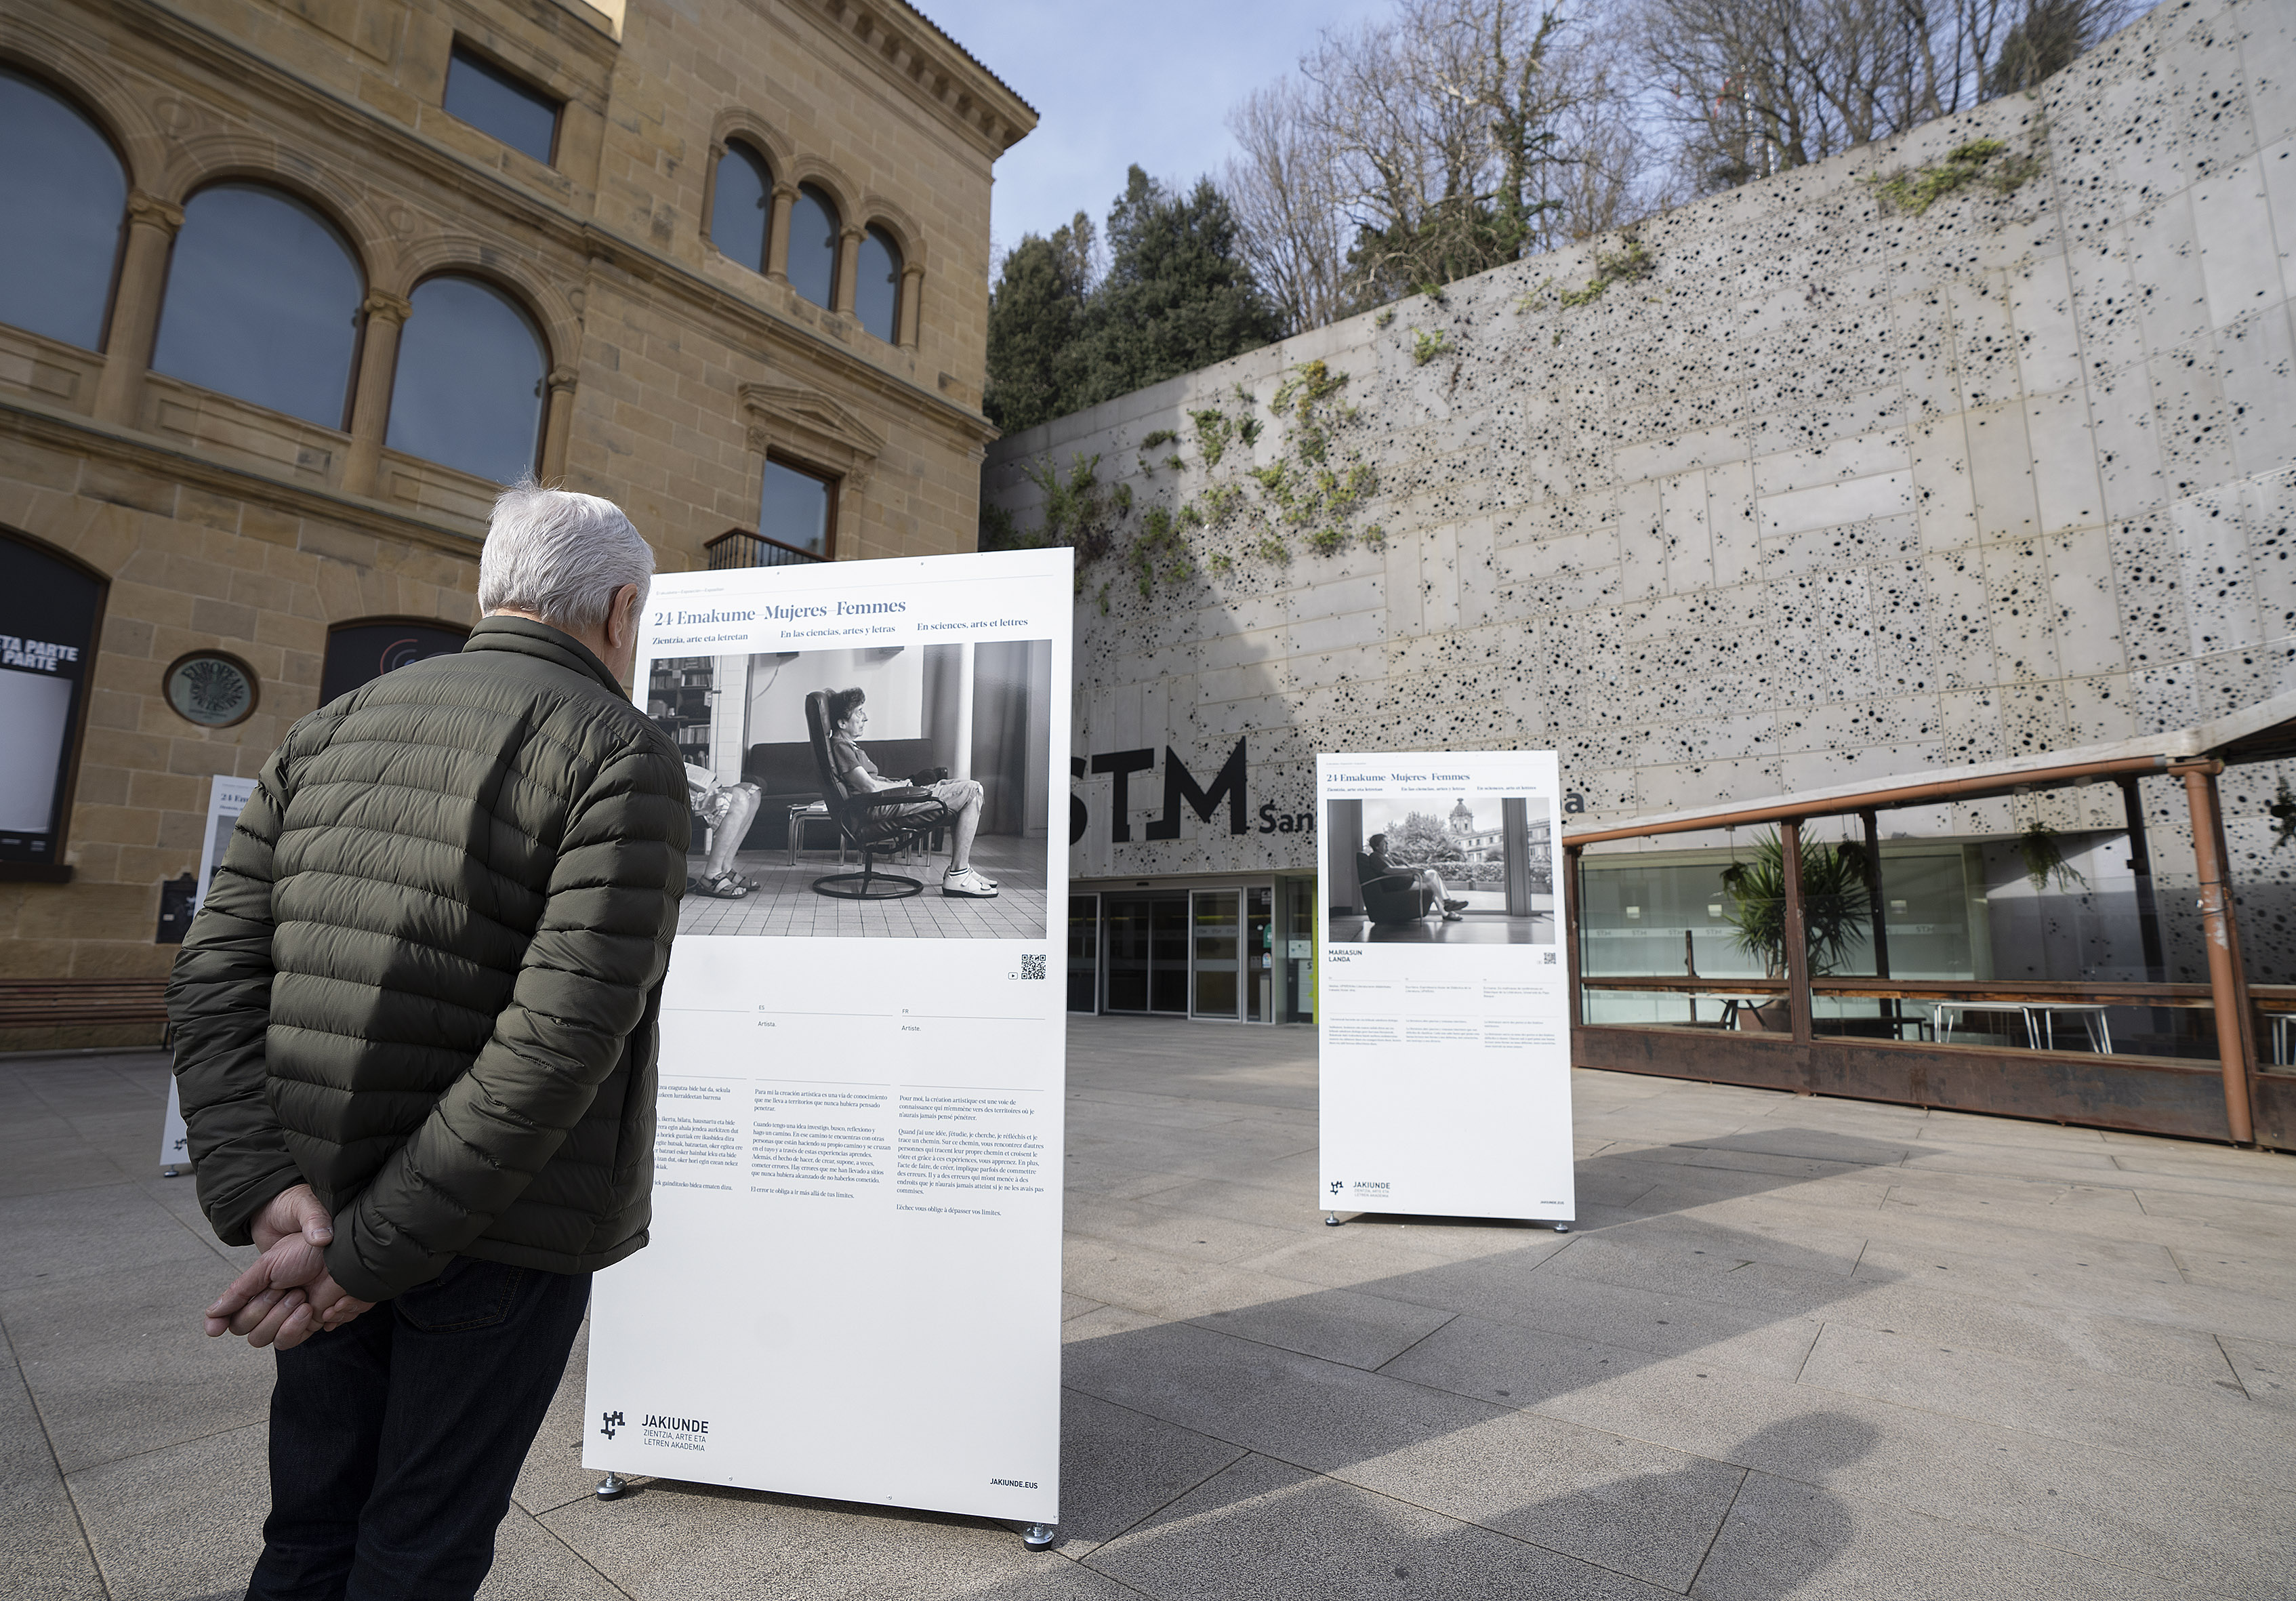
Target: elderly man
{"x":417,"y":1029}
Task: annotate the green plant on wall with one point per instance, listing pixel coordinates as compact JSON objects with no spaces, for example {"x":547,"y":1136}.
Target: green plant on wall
{"x":2041,"y":849}
{"x":1836,"y":902}
{"x":1427,"y":345}
{"x":1913,"y":190}
{"x":1630,"y":263}
{"x":1213,"y":430}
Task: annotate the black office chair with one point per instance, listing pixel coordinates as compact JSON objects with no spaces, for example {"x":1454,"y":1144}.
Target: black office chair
{"x":868,"y":819}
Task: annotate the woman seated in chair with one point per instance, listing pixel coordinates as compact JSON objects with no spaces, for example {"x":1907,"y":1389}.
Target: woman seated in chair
{"x":1395,"y":876}
{"x":959,"y":798}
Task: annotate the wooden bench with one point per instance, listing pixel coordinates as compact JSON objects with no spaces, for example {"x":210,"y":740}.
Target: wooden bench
{"x":81,"y":1003}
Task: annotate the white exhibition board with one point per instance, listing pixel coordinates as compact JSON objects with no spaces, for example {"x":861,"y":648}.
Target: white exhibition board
{"x":1445,"y":1045}
{"x":852,"y":1287}
{"x":226,"y":799}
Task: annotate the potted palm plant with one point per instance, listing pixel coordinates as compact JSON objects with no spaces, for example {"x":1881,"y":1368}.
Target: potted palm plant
{"x":1836,"y":906}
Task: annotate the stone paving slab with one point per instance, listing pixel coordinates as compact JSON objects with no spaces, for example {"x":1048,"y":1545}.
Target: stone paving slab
{"x":1796,"y":1348}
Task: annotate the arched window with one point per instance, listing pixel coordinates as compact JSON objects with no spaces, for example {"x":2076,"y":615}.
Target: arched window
{"x":877,"y":295}
{"x":360,"y":651}
{"x":740,"y":207}
{"x":469,"y":391}
{"x":50,"y":609}
{"x":812,"y":246}
{"x":64,"y":193}
{"x":263,"y":301}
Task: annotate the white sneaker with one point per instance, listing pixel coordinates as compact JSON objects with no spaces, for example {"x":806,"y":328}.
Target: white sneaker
{"x":967,"y":885}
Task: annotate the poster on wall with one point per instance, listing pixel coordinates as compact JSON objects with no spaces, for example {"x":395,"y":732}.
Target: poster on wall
{"x":226,"y":799}
{"x":50,"y":609}
{"x":1443,"y":1012}
{"x":852,"y":1288}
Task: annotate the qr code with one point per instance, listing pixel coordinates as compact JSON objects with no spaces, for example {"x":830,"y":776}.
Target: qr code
{"x":1032,"y":967}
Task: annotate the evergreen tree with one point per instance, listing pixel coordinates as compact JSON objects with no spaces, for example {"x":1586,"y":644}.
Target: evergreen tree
{"x":1177,"y":296}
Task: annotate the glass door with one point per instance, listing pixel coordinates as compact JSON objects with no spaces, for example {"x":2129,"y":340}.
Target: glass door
{"x":1084,"y":953}
{"x":1217,"y":950}
{"x":1295,"y":949}
{"x":1145,"y":947}
{"x":1260,"y":986}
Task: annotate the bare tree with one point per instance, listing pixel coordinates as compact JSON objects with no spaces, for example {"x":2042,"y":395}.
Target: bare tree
{"x":1442,"y":140}
{"x":1757,"y":87}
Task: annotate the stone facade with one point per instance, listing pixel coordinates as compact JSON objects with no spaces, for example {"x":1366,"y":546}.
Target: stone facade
{"x":671,"y":369}
{"x":1791,"y":488}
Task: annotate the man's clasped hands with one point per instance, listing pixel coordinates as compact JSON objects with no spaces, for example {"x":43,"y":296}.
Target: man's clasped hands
{"x":286,"y":1295}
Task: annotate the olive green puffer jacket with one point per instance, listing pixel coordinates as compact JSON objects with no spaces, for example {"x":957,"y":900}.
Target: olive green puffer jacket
{"x":427,"y":976}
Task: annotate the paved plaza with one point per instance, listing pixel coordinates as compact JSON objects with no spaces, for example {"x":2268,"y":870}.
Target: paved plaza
{"x":1796,"y":1347}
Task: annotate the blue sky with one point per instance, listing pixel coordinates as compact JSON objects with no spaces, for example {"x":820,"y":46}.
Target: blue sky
{"x":1117,"y":84}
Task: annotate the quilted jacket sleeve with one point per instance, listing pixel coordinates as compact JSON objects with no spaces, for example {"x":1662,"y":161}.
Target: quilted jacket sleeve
{"x":601,"y":947}
{"x":219,"y":1001}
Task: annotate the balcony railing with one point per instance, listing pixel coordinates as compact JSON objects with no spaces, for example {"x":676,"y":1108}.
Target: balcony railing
{"x":739,"y":547}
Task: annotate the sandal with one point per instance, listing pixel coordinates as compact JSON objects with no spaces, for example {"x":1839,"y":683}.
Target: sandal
{"x":967,"y":885}
{"x":725,"y":887}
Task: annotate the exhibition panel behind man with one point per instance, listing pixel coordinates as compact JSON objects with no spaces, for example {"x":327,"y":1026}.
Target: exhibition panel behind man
{"x":416,"y":1034}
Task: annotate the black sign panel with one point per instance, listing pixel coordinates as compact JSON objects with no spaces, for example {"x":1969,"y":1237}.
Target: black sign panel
{"x":359,"y":652}
{"x":49,"y":610}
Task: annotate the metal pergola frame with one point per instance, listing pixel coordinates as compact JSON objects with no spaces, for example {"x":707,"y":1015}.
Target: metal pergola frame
{"x":2233,"y":1101}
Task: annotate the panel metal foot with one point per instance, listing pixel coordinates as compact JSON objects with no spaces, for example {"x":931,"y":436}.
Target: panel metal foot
{"x":1331,"y":1220}
{"x":1563,"y":1228}
{"x":611,"y":1487}
{"x":1039,"y":1537}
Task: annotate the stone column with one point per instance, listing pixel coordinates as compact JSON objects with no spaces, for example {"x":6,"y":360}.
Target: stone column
{"x":777,"y":234}
{"x":557,"y":423}
{"x":384,"y":314}
{"x":848,"y":271}
{"x":913,"y":278}
{"x":151,"y":224}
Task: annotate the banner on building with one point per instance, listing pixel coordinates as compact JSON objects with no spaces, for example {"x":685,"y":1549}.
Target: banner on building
{"x":852,"y":1288}
{"x":1443,"y":1007}
{"x":226,"y":799}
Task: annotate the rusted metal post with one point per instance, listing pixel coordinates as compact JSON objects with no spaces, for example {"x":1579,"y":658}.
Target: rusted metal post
{"x":1796,"y":933}
{"x":2140,"y":866}
{"x":2228,"y":985}
{"x":1570,"y":933}
{"x":1880,"y":908}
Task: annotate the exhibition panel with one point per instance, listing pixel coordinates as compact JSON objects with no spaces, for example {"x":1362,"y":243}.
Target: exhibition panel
{"x":1443,"y":1009}
{"x":851,"y":1128}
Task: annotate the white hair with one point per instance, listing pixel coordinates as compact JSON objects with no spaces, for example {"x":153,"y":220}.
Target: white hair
{"x":559,"y":556}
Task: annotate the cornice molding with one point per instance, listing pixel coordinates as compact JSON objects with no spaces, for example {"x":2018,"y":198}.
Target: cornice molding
{"x":26,"y":420}
{"x":792,"y":415}
{"x":967,"y":96}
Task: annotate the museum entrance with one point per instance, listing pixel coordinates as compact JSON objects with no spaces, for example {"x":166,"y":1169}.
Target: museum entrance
{"x":1225,"y":953}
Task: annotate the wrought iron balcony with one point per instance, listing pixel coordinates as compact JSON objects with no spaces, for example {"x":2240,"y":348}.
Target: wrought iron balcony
{"x":739,"y":547}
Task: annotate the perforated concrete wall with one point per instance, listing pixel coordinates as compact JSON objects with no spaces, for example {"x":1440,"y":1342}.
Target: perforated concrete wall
{"x":1833,"y":491}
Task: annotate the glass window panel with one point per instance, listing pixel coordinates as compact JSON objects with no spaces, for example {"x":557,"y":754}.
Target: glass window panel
{"x":739,"y":209}
{"x":493,"y":102}
{"x":63,"y":194}
{"x":262,"y":303}
{"x":794,"y":508}
{"x":812,"y":246}
{"x":48,"y":609}
{"x":469,"y":388}
{"x":1084,"y":953}
{"x":877,"y":293}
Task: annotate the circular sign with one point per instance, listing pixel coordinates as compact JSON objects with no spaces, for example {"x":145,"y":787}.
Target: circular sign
{"x":211,"y":689}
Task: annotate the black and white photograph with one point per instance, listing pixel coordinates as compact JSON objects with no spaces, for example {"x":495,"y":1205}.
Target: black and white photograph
{"x":1407,"y":869}
{"x":895,"y":790}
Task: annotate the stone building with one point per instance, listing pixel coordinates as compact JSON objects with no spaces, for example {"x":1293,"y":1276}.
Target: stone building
{"x":286,"y":290}
{"x":1792,"y":487}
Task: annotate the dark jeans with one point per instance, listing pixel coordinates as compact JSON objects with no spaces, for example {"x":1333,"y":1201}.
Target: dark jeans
{"x":395,"y":1439}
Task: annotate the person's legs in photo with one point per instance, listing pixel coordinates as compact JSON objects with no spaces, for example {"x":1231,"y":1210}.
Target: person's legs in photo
{"x":963,"y":796}
{"x":740,"y":809}
{"x":1439,"y":897}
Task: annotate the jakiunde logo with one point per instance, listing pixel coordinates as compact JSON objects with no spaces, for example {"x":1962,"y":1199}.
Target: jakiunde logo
{"x":1337,"y":1187}
{"x":608,"y":1422}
